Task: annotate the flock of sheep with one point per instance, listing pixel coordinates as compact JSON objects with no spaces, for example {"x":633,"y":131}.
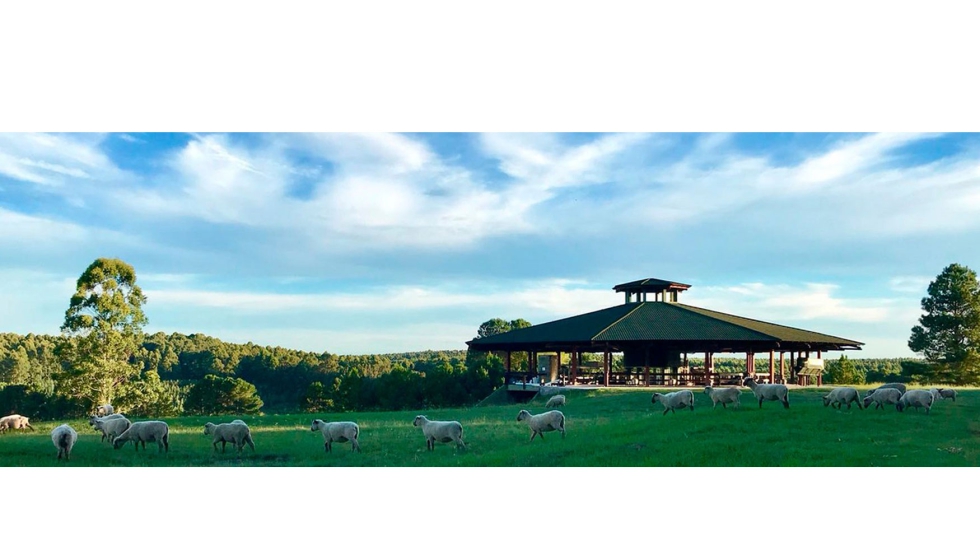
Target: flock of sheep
{"x":119,"y":430}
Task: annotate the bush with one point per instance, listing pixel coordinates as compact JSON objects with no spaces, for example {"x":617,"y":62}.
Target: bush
{"x":222,"y":395}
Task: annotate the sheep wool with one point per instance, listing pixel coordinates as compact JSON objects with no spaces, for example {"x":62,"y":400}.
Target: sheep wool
{"x":768,"y":392}
{"x":917,"y":398}
{"x":555,"y":401}
{"x":15,"y":422}
{"x":673,"y":401}
{"x":840,"y":396}
{"x":104,"y":410}
{"x":724,"y":396}
{"x":110,"y":426}
{"x":338,"y":431}
{"x":236,"y":433}
{"x":142,"y":432}
{"x":64,"y":438}
{"x":550,"y":421}
{"x":881,"y":397}
{"x":441,"y":431}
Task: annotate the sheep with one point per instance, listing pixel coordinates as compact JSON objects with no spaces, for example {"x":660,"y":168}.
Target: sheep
{"x":150,"y":430}
{"x":15,"y":422}
{"x":841,"y":396}
{"x":899,"y":386}
{"x":768,"y":392}
{"x":444,"y":432}
{"x":338,"y":431}
{"x":945,"y":394}
{"x":103,"y":410}
{"x":64,"y":438}
{"x":110,"y":426}
{"x":917,"y":398}
{"x":236,"y":432}
{"x":881,"y":397}
{"x":725,"y":395}
{"x":544,"y":422}
{"x":555,"y":401}
{"x":672,"y":401}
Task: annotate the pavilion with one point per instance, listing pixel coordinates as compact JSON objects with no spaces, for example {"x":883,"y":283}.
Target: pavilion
{"x":655,"y":335}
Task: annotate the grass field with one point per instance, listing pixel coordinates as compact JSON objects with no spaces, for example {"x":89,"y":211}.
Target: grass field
{"x":613,"y":427}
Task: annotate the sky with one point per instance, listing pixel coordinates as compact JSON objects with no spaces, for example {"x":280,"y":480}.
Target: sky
{"x":383,"y":242}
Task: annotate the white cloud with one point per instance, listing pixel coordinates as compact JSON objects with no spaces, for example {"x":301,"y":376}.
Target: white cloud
{"x":16,"y":229}
{"x":910,"y":284}
{"x":52,"y":159}
{"x":784,"y":302}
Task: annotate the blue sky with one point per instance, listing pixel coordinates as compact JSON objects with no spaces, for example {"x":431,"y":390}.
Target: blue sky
{"x":364,"y":243}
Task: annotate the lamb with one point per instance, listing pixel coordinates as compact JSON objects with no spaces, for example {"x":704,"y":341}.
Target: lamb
{"x":768,"y":392}
{"x":544,"y":422}
{"x":841,"y":396}
{"x":945,"y":394}
{"x":899,"y":386}
{"x":236,"y":432}
{"x":673,"y":401}
{"x":338,"y":431}
{"x":555,"y":401}
{"x":150,"y":430}
{"x":444,"y":431}
{"x":725,"y":395}
{"x":110,"y":426}
{"x":103,"y":410}
{"x":64,"y":438}
{"x":881,"y":397}
{"x":917,"y":398}
{"x":15,"y":422}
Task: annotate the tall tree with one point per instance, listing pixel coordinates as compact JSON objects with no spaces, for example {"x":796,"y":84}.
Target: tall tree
{"x":104,"y":327}
{"x":948,"y":333}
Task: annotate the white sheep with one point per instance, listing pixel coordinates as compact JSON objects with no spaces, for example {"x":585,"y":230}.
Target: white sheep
{"x":555,"y":401}
{"x":64,"y":438}
{"x":768,"y":392}
{"x":842,"y":395}
{"x":236,"y":432}
{"x":673,"y":401}
{"x":724,"y":395}
{"x":441,"y":431}
{"x":15,"y":422}
{"x":917,"y":398}
{"x":544,"y":422}
{"x":899,"y":386}
{"x":338,"y":431}
{"x":142,"y":432}
{"x":103,"y":410}
{"x":881,"y":397}
{"x":110,"y":426}
{"x":945,"y":393}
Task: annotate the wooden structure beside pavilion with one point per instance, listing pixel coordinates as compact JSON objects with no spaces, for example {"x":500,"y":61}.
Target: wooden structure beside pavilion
{"x":656,"y":334}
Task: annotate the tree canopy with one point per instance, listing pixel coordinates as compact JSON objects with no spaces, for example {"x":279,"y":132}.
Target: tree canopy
{"x":948,"y":333}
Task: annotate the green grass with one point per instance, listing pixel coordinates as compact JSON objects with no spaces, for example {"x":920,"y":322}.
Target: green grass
{"x":612,"y":427}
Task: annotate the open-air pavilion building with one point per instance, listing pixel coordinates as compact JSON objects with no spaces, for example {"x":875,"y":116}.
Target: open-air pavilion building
{"x":656,"y":334}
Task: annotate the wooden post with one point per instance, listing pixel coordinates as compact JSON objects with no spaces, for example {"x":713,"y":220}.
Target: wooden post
{"x":574,"y":364}
{"x":558,"y":359}
{"x":750,"y":364}
{"x":607,"y":363}
{"x":772,"y":366}
{"x":782,"y":366}
{"x":819,"y":375}
{"x":792,"y":367}
{"x":708,"y":368}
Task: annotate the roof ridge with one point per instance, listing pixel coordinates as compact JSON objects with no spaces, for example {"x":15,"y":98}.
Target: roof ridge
{"x":691,"y":309}
{"x":616,"y":322}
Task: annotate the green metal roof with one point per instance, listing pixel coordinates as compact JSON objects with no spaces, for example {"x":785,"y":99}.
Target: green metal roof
{"x":658,"y":322}
{"x":650,"y":285}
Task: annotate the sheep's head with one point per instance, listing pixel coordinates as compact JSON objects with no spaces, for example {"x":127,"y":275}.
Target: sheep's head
{"x":209,"y":428}
{"x":656,"y":397}
{"x":418,"y":420}
{"x":899,"y":406}
{"x":316,"y":425}
{"x":867,"y":401}
{"x":523,"y":415}
{"x":708,"y":388}
{"x":826,"y":400}
{"x":117,"y":443}
{"x":92,"y":421}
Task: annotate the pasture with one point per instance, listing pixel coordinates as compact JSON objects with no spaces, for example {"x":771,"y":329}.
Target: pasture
{"x":606,"y":427}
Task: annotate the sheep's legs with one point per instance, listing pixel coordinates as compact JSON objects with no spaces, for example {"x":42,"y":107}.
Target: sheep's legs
{"x":533,"y":433}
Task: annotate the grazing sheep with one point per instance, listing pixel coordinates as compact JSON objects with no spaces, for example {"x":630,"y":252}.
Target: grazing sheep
{"x":917,"y":398}
{"x":841,"y":396}
{"x":899,"y":386}
{"x":236,"y":432}
{"x":673,"y":401}
{"x":544,"y":422}
{"x":768,"y":392}
{"x":443,"y":432}
{"x":338,"y":431}
{"x":142,"y":432}
{"x":555,"y":401}
{"x":881,"y":397}
{"x":103,"y":410}
{"x":945,"y":394}
{"x":110,"y":426}
{"x":64,"y":438}
{"x":724,"y":395}
{"x":15,"y":422}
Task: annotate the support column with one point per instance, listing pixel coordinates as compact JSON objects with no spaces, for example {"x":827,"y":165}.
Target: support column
{"x":558,"y":365}
{"x":750,"y":364}
{"x":709,"y":368}
{"x":575,"y":357}
{"x":819,"y":375}
{"x":606,"y":364}
{"x":772,"y":366}
{"x":782,"y":366}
